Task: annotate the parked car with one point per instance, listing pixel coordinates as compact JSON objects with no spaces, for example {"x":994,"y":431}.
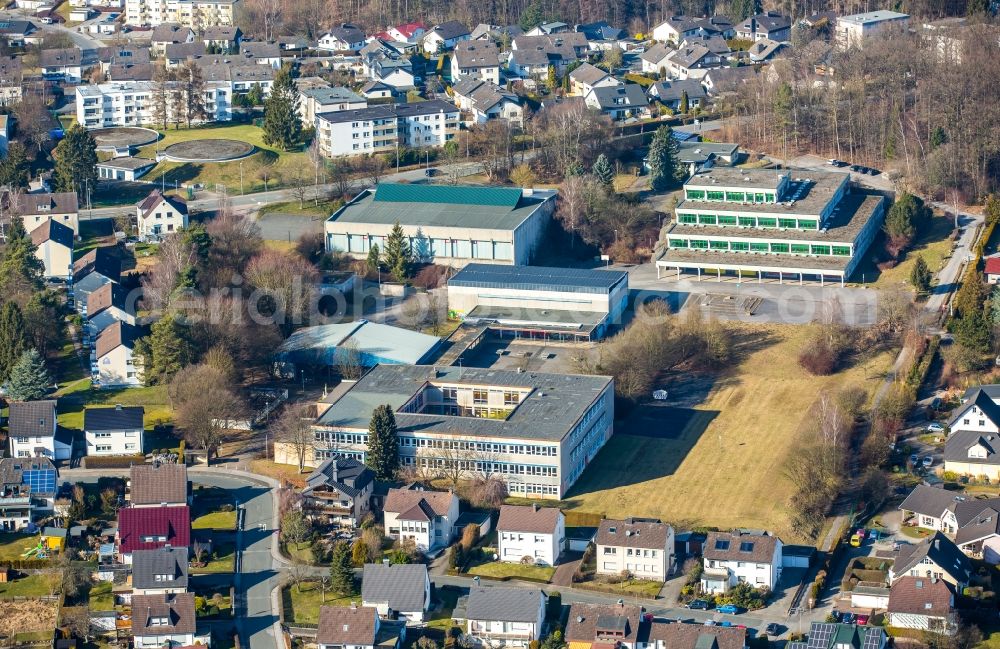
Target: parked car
{"x":726,"y":623}
{"x":431,"y":172}
{"x":848,"y":618}
{"x":709,"y":622}
{"x":914,"y":458}
{"x":729,"y":609}
{"x":771,"y":629}
{"x":856,"y":540}
{"x":856,"y":168}
{"x":874,"y":171}
{"x":862,"y":620}
{"x":873,"y":535}
{"x":698,"y":605}
{"x":927,"y":461}
{"x":935,"y":427}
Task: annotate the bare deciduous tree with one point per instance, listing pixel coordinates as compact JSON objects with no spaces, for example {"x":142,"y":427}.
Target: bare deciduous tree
{"x":294,"y":428}
{"x":205,"y":406}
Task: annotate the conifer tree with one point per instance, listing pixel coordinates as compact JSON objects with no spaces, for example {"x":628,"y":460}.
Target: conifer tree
{"x":29,"y":380}
{"x":383,"y":444}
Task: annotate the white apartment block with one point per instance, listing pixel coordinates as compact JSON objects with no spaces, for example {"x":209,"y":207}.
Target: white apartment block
{"x":133,"y":103}
{"x":853,"y":30}
{"x":382,"y":128}
{"x":196,"y":14}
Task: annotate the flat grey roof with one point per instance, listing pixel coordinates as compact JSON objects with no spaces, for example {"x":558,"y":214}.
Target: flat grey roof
{"x":872,"y":17}
{"x":538,"y":278}
{"x":472,"y":207}
{"x":549,"y":412}
{"x":815,"y":189}
{"x":714,"y":259}
{"x":535,"y":318}
{"x":126,"y":162}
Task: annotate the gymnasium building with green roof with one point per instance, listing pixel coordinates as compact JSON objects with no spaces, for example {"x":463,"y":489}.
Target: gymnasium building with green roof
{"x":446,"y":224}
{"x":787,"y":225}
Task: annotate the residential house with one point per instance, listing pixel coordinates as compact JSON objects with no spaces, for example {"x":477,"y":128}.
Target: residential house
{"x":27,"y":491}
{"x":545,"y":29}
{"x":164,"y":621}
{"x":606,"y":625}
{"x":339,"y":490}
{"x":33,"y":431}
{"x":158,"y":485}
{"x":530,"y":532}
{"x":36,"y":209}
{"x":407,"y":32}
{"x":992,"y":269}
{"x":934,"y":557}
{"x":224,"y":38}
{"x":163,"y":571}
{"x":667,"y":635}
{"x":504,"y":616}
{"x":726,"y":79}
{"x":531,"y":56}
{"x":675,"y":29}
{"x":445,"y":36}
{"x":720,"y":26}
{"x":715,"y":44}
{"x":158,"y":214}
{"x":19,"y":33}
{"x":923,"y":604}
{"x":619,"y":102}
{"x":314,"y":101}
{"x":979,"y":411}
{"x":377,"y":90}
{"x":702,"y":156}
{"x":740,"y":556}
{"x":476,"y":59}
{"x":124,"y":55}
{"x":601,"y":31}
{"x":126,"y":168}
{"x":396,"y":72}
{"x":150,"y":528}
{"x":672,"y":94}
{"x":397,"y":591}
{"x":178,"y":54}
{"x":764,"y":50}
{"x":425,"y":517}
{"x":485,"y":101}
{"x":168,"y":33}
{"x":293,"y":43}
{"x":238,"y":79}
{"x":498,"y":33}
{"x":129,"y":72}
{"x":641,"y":548}
{"x":62,"y":64}
{"x":259,"y":53}
{"x":353,"y":627}
{"x":11,"y":80}
{"x":683,"y":61}
{"x":94,"y":269}
{"x":974,"y":453}
{"x":654,"y":60}
{"x":113,"y":359}
{"x":342,"y":38}
{"x":115,"y":430}
{"x":586,"y":77}
{"x":832,"y":635}
{"x":381,"y":128}
{"x":54,"y":248}
{"x":771,"y":25}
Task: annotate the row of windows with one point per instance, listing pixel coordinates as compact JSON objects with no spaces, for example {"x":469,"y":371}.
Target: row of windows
{"x":729,"y":196}
{"x":765,"y":222}
{"x":481,"y":447}
{"x":487,"y":468}
{"x":424,"y":248}
{"x":631,"y":552}
{"x":532,"y":489}
{"x":761,"y":246}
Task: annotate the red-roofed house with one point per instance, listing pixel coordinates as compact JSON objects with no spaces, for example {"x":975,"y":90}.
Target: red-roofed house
{"x":149,"y":528}
{"x":993,"y":269}
{"x":407,"y":32}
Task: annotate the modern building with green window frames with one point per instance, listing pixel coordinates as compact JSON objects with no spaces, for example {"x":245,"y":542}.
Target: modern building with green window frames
{"x":445,"y":224}
{"x":783,"y":224}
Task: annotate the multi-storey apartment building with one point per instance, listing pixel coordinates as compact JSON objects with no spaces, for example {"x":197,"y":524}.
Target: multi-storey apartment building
{"x":384,"y":128}
{"x":783,"y":224}
{"x":133,"y":103}
{"x":536,"y":431}
{"x":196,"y":14}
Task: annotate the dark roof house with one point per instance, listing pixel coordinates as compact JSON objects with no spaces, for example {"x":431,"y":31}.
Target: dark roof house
{"x":938,"y":550}
{"x":156,"y":484}
{"x":113,"y":418}
{"x":741,"y":546}
{"x":160,"y":568}
{"x":344,"y":474}
{"x":53,"y":231}
{"x":401,"y":587}
{"x":505,"y":604}
{"x":32,"y":418}
{"x":633,"y":533}
{"x":529,"y":518}
{"x":604,"y":623}
{"x":163,"y":615}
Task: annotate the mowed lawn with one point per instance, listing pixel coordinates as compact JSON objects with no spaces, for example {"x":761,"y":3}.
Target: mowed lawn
{"x":282,"y":168}
{"x":74,"y":397}
{"x":724,"y":467}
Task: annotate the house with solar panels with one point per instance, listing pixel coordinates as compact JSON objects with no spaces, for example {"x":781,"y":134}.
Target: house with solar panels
{"x":27,"y":491}
{"x":761,"y":224}
{"x":829,"y":635}
{"x":451,"y":225}
{"x":538,"y":302}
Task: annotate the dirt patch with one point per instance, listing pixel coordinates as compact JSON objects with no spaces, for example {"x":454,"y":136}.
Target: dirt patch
{"x":208,"y":150}
{"x":27,"y":616}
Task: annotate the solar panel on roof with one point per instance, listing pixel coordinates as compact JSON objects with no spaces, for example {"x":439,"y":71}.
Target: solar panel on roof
{"x":40,"y":480}
{"x":820,"y":634}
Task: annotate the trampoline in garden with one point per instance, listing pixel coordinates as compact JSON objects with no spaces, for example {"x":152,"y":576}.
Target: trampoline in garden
{"x":123,"y":137}
{"x":207,"y":150}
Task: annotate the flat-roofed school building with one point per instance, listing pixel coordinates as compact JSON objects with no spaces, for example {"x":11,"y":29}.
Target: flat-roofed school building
{"x":539,"y":302}
{"x":537,"y":431}
{"x":446,"y":224}
{"x":788,"y":225}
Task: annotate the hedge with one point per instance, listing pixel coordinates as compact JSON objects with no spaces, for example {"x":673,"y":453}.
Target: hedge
{"x":24,"y":564}
{"x":116,"y":462}
{"x":918,"y":371}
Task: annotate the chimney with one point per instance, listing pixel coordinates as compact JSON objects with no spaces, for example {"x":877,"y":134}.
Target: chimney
{"x":937,"y":544}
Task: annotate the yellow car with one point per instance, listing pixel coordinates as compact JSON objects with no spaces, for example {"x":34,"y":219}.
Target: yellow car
{"x":855,"y":541}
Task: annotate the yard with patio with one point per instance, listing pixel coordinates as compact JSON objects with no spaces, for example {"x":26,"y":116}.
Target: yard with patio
{"x":301,"y":603}
{"x":221,"y":559}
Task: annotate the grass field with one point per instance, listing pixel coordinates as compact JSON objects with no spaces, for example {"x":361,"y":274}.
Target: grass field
{"x":101,"y":598}
{"x":281,"y":167}
{"x":215,"y":521}
{"x":933,"y":245}
{"x":720,"y":464}
{"x":309,"y":208}
{"x":32,"y":586}
{"x":501,"y":570}
{"x":302,"y":602}
{"x":74,"y":396}
{"x":13,"y":545}
{"x":223,"y":559}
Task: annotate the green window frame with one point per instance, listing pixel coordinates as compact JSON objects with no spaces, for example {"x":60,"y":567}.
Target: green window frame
{"x":739,"y":245}
{"x":706,"y":219}
{"x":787,"y":223}
{"x":727,"y":220}
{"x":800,"y":249}
{"x":735,"y":197}
{"x":808,"y":224}
{"x":757,"y":246}
{"x":842,"y":251}
{"x":758,"y":198}
{"x":718,"y":245}
{"x":696,"y":194}
{"x":678,"y":243}
{"x":748,"y":221}
{"x":699,"y":243}
{"x":768,"y":197}
{"x":687,"y":218}
{"x":767,"y":222}
{"x":715,"y":196}
{"x":821,"y":250}
{"x":781,"y":248}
